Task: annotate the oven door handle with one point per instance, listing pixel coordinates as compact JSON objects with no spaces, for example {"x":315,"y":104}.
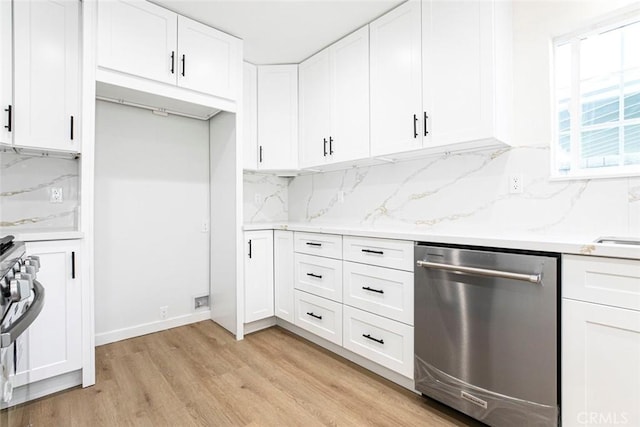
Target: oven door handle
{"x":533,"y":278}
{"x":16,"y":329}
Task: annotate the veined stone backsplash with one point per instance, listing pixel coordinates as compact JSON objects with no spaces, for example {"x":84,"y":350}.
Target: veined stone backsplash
{"x":468,"y":192}
{"x":265,"y":198}
{"x":25,"y":190}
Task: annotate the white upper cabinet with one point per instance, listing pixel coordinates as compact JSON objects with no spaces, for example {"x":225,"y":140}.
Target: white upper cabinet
{"x":278,"y":117}
{"x":396,"y":81}
{"x":466,"y":70}
{"x":315,"y":104}
{"x":144,"y":40}
{"x":139,"y":38}
{"x":46,"y":87}
{"x":6,"y":74}
{"x":334,"y":102}
{"x":250,"y":115}
{"x":208,"y":59}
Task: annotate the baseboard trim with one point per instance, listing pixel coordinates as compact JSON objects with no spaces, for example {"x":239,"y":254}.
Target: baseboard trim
{"x":387,"y":373}
{"x":149,"y":328}
{"x":44,"y":387}
{"x":259,"y":325}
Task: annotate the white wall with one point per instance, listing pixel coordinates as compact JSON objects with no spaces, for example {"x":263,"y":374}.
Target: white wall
{"x":468,"y":192}
{"x":151,"y":198}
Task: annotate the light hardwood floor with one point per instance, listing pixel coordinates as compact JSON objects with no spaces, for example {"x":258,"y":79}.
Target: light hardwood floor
{"x":199,"y":375}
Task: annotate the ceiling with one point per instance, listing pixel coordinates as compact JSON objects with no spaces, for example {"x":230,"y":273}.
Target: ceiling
{"x":282,"y":31}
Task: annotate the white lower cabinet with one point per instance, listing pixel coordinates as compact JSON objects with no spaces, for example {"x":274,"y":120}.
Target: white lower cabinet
{"x":600,"y":365}
{"x":318,"y":315}
{"x":54,"y":339}
{"x":319,"y":276}
{"x":258,"y":275}
{"x":283,"y":274}
{"x":381,"y":340}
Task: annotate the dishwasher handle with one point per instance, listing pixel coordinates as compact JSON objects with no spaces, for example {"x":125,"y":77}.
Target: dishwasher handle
{"x":533,"y":278}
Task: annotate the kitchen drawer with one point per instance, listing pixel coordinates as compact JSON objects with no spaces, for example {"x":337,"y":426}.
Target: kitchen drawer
{"x":386,"y":342}
{"x":381,"y":252}
{"x":319,"y":276}
{"x":609,"y":281}
{"x":379,"y":290}
{"x":328,"y":245}
{"x":319,"y":316}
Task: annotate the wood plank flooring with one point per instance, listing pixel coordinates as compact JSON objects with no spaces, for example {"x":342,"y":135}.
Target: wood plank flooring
{"x":199,"y":375}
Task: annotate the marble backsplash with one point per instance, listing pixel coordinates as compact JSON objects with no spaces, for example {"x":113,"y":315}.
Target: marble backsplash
{"x":468,"y":192}
{"x":265,"y":198}
{"x":25,"y":190}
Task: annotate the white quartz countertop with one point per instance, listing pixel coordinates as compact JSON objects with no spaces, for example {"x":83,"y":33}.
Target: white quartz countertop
{"x":531,"y":242}
{"x":42,"y":235}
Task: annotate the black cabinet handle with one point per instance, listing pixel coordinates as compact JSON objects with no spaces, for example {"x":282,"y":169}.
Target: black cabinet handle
{"x":425,"y":124}
{"x":184,"y":62}
{"x":314,"y":315}
{"x":317,"y":276}
{"x":249,"y":248}
{"x":71,"y":128}
{"x":325,"y":146}
{"x":369,"y":337}
{"x":9,"y":111}
{"x":73,"y":265}
{"x":314,"y":244}
{"x":415,"y":126}
{"x":331,"y":145}
{"x":378,"y":291}
{"x":173,"y":61}
{"x":371,"y":251}
{"x":260,"y":156}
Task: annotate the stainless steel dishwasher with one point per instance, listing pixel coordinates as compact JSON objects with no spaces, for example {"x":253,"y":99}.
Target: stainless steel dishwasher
{"x":486,"y":332}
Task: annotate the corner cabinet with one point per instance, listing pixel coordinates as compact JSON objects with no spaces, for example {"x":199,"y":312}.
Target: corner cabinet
{"x":40,"y":91}
{"x":141,"y":39}
{"x":54,"y":340}
{"x":334,"y":102}
{"x":258,"y":275}
{"x":277,"y":117}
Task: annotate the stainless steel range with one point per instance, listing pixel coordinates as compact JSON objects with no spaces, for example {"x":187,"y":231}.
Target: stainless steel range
{"x":486,"y":333}
{"x":21,"y":300}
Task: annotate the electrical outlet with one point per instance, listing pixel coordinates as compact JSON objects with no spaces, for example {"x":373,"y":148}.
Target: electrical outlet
{"x":257,"y":199}
{"x":516,"y":184}
{"x":56,"y":195}
{"x":200,"y":302}
{"x":205,"y":226}
{"x":163,"y":312}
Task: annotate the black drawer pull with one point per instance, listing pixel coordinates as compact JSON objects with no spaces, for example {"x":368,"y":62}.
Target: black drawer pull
{"x":314,"y":275}
{"x":379,"y":291}
{"x":9,"y":111}
{"x":371,"y":251}
{"x":249,"y":248}
{"x":324,"y":140}
{"x":415,"y":126}
{"x":314,"y":244}
{"x":73,"y":264}
{"x":173,"y":61}
{"x":71,"y":128}
{"x":314,"y":315}
{"x":369,"y":337}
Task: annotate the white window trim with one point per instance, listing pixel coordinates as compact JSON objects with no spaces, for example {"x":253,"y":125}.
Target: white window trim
{"x":616,"y":19}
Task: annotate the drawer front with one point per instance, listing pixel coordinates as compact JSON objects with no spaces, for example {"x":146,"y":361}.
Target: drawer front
{"x":319,"y":276}
{"x":381,"y":252}
{"x":381,"y":291}
{"x":608,"y":281}
{"x":386,"y":342}
{"x":327,"y":245}
{"x":319,"y":316}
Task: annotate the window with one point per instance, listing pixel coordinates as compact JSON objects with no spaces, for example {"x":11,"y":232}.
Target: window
{"x":597,"y":102}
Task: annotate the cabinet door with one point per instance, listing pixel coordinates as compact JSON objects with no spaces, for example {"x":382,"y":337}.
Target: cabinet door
{"x":250,"y":115}
{"x":47,"y":74}
{"x":458,"y":70}
{"x":258,"y":275}
{"x":138,"y":38}
{"x":278,"y":117}
{"x":6,"y":74}
{"x":600,"y":364}
{"x":283,"y":274}
{"x":209,"y":60}
{"x":54,"y":342}
{"x":315,"y":110}
{"x":396,"y":75}
{"x":350,"y":97}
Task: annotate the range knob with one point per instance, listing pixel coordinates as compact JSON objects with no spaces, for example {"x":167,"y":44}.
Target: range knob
{"x":34,"y":261}
{"x":20,"y":286}
{"x":29,"y":269}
